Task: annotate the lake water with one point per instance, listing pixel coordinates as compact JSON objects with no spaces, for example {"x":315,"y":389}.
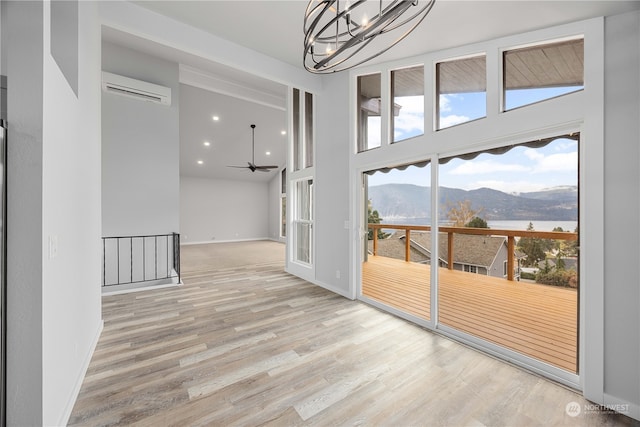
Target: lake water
{"x":499,"y":225}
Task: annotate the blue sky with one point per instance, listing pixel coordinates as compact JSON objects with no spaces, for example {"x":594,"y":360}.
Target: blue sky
{"x":522,"y":169}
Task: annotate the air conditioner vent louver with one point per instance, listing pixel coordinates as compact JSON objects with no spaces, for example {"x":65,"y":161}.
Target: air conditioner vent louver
{"x":137,"y":89}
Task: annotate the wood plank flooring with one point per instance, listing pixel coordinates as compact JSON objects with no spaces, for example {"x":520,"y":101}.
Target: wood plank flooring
{"x":250,"y":345}
{"x":536,"y":320}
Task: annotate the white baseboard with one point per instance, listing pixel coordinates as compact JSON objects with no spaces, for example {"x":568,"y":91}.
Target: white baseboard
{"x":83,"y":371}
{"x":142,"y":288}
{"x":208,"y":242}
{"x":332,"y":288}
{"x":629,"y":409}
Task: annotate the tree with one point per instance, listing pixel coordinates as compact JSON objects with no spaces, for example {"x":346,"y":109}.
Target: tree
{"x":570,"y":247}
{"x":533,"y":248}
{"x":461,"y":214}
{"x":477,"y":222}
{"x":374,"y":218}
{"x":558,"y":277}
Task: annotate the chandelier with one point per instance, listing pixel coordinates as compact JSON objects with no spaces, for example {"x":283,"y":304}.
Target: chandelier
{"x":337,"y":35}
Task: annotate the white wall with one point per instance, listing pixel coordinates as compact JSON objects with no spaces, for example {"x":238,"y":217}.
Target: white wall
{"x":333,"y":148}
{"x":128,"y":17}
{"x":54,"y":194}
{"x":23,"y":42}
{"x":140,"y":149}
{"x":622,"y":209}
{"x":275,"y":191}
{"x":221,"y":211}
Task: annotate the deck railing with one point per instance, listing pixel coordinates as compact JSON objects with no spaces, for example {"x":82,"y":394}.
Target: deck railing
{"x":509,"y":234}
{"x":137,"y":259}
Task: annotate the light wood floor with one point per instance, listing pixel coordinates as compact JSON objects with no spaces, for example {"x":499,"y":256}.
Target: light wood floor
{"x":250,"y":345}
{"x":537,"y":320}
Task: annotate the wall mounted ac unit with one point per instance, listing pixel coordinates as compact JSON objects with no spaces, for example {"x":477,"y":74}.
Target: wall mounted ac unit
{"x":137,"y":89}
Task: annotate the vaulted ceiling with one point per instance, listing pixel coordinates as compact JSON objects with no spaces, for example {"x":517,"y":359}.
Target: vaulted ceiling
{"x":274,"y":28}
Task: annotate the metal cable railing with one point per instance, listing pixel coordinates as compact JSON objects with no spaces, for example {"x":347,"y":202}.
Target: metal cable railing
{"x":137,"y":259}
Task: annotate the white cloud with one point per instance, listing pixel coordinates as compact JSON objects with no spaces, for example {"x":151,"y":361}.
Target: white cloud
{"x":451,"y":120}
{"x":410,"y":121}
{"x":473,"y":167}
{"x":410,"y":104}
{"x":374,"y":131}
{"x":445,"y":103}
{"x":561,"y":162}
{"x":407,"y":123}
{"x":565,"y":145}
{"x":533,"y":154}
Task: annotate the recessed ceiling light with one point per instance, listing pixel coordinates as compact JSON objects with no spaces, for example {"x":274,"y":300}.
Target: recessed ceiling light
{"x":207,"y":143}
{"x":268,"y":153}
{"x":215,"y":118}
{"x":284,"y":132}
{"x":200,"y":162}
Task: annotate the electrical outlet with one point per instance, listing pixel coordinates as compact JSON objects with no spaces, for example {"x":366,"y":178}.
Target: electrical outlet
{"x":53,"y":246}
{"x":337,"y":274}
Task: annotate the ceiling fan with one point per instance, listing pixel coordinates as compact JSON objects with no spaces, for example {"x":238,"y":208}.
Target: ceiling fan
{"x":252,"y":164}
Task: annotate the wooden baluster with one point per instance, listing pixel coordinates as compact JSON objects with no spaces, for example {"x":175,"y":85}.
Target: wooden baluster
{"x":375,"y":241}
{"x":450,"y":249}
{"x":510,"y":256}
{"x":407,"y":245}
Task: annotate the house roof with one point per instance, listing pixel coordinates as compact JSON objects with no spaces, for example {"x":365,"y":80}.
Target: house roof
{"x":468,"y":249}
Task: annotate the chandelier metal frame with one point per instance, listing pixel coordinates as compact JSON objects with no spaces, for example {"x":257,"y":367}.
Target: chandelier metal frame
{"x":326,"y":24}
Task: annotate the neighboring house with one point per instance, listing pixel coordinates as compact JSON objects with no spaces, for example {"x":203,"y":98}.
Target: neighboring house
{"x":570,"y":263}
{"x":485,"y":255}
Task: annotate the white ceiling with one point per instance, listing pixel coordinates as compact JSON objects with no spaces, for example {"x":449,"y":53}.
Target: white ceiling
{"x":274,"y":28}
{"x":230,"y":137}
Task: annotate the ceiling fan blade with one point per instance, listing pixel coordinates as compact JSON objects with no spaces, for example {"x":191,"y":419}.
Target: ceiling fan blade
{"x":252,"y":166}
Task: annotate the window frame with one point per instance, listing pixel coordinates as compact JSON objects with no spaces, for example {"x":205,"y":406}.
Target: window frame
{"x":581,"y":111}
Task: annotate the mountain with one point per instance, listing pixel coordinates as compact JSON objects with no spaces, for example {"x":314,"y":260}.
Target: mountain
{"x":412,"y":201}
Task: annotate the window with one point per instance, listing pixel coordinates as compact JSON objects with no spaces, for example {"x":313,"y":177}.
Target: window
{"x":302,"y":118}
{"x":303,"y":223}
{"x":537,"y":73}
{"x":296,"y":129}
{"x":369,"y":110}
{"x":461,"y":86}
{"x":283,"y":203}
{"x":407,"y":120}
{"x":470,"y":268}
{"x":308,"y":130}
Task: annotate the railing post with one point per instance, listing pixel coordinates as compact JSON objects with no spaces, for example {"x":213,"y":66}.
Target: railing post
{"x":118,"y":252}
{"x":176,"y":254}
{"x":375,"y":240}
{"x":450,"y":250}
{"x":510,"y":256}
{"x":131,"y":257}
{"x":407,"y":245}
{"x":155,"y":250}
{"x":104,"y":262}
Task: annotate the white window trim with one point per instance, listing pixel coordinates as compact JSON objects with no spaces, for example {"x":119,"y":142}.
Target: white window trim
{"x":581,"y":111}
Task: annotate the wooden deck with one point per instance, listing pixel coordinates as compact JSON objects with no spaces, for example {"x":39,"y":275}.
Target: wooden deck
{"x":537,"y":320}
